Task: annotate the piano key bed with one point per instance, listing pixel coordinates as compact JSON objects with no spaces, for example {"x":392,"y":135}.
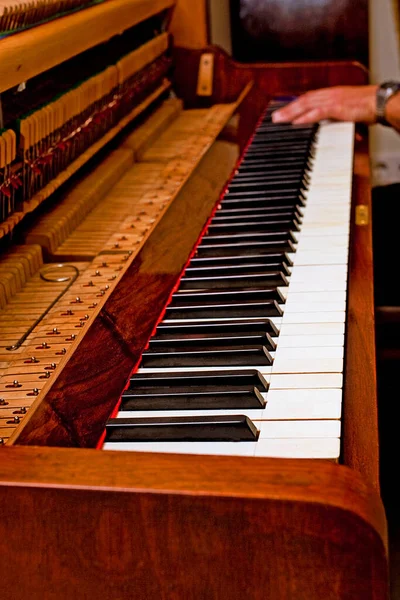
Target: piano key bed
{"x":248,"y":357}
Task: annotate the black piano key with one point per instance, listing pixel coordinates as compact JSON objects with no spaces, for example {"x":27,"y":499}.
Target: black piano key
{"x":233,"y":328}
{"x":279,"y":162}
{"x":274,"y":133}
{"x":266,"y":176}
{"x":285,"y":161}
{"x":258,"y":226}
{"x":280,"y":136}
{"x":253,"y":201}
{"x":266,"y":152}
{"x":275,"y":153}
{"x":270,"y":196}
{"x":238,"y":269}
{"x":240,"y":310}
{"x":267,"y":124}
{"x":175,"y":343}
{"x":245,"y":248}
{"x":228,"y":281}
{"x":281,"y":143}
{"x":187,"y":398}
{"x":225,"y":296}
{"x":265,"y":167}
{"x":294,"y":185}
{"x":244,"y":237}
{"x":190,"y":429}
{"x":301,"y":147}
{"x":246,"y":356}
{"x":224,"y":380}
{"x":257,"y":165}
{"x":233,"y":215}
{"x":255,"y":259}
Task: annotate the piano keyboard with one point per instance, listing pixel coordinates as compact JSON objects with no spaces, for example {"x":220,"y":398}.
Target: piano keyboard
{"x":248,"y":359}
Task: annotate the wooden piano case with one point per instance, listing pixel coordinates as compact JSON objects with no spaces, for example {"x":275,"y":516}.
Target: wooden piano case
{"x":85,"y":523}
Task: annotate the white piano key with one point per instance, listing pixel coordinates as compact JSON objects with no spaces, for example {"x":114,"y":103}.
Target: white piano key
{"x":292,"y":306}
{"x":316,"y":317}
{"x":326,"y":230}
{"x":218,"y":448}
{"x":305,"y":341}
{"x":298,"y":429}
{"x":302,"y":404}
{"x":307,"y":365}
{"x":310,"y":242}
{"x":334,"y":285}
{"x":320,"y":297}
{"x":325,"y":274}
{"x":302,"y":352}
{"x":325,"y":448}
{"x":290,"y":329}
{"x":305,"y":381}
{"x":326,"y":216}
{"x":316,"y":257}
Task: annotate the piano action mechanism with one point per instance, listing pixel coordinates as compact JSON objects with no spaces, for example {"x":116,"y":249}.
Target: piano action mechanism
{"x":82,"y":521}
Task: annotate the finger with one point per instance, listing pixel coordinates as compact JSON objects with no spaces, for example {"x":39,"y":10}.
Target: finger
{"x":311,"y":116}
{"x":289,"y":112}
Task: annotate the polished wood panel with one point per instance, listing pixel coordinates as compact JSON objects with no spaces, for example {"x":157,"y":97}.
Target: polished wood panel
{"x":121,"y":525}
{"x":189,"y":24}
{"x":296,"y":30}
{"x":360,"y":439}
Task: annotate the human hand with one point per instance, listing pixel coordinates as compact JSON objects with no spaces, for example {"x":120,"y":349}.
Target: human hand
{"x":340,"y":103}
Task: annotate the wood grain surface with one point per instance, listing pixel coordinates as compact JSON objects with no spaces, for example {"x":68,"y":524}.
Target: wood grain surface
{"x":35,"y":50}
{"x":137,"y":525}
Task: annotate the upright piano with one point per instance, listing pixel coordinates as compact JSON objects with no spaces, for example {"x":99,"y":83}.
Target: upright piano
{"x":158,"y":236}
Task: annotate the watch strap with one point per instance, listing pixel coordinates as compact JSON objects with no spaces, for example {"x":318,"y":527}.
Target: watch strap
{"x":385,"y":91}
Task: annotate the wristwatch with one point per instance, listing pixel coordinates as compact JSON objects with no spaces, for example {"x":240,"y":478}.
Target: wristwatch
{"x":385,"y":91}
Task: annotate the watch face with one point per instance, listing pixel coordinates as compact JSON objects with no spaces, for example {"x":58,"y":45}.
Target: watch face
{"x":385,"y":91}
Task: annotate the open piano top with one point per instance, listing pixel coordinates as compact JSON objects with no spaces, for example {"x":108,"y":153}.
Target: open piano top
{"x":173,"y":525}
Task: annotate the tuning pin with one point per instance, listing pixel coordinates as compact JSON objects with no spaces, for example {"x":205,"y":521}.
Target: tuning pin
{"x":62,"y":351}
{"x":32,"y":359}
